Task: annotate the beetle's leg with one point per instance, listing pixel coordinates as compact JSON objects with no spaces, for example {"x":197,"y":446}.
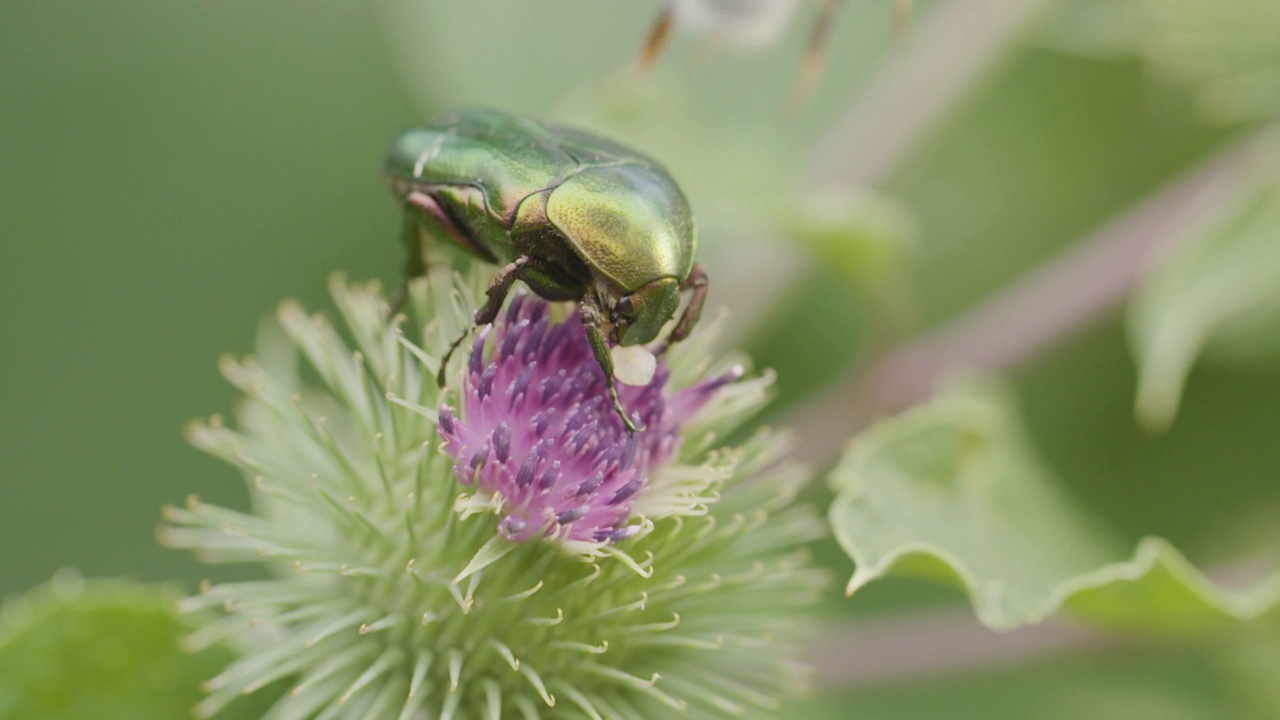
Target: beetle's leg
{"x":415,"y":264}
{"x":420,"y":212}
{"x":498,"y":289}
{"x":697,"y":280}
{"x":592,"y":318}
{"x":497,"y":294}
{"x":814,"y":54}
{"x":657,"y":39}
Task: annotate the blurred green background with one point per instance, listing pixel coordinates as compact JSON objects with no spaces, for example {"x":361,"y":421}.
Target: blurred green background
{"x":171,"y":171}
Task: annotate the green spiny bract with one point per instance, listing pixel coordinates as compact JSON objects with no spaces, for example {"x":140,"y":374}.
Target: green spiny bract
{"x":392,"y":593}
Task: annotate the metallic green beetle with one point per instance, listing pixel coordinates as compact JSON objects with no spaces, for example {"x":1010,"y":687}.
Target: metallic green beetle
{"x":574,"y":216}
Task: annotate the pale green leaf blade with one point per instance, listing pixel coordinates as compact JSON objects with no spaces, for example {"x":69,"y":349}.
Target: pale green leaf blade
{"x":1226,"y":50}
{"x":953,"y":492}
{"x":866,"y":238}
{"x":1218,"y":291}
{"x":1157,"y":590}
{"x":102,"y":650}
{"x":1251,"y":664}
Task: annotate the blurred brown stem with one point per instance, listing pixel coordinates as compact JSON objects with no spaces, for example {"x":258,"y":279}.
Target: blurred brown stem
{"x":1037,"y":312}
{"x":956,"y":43}
{"x":911,"y":647}
{"x":933,"y":643}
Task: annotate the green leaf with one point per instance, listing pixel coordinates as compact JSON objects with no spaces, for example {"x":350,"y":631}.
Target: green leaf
{"x":102,"y":650}
{"x":1220,"y":291}
{"x":1250,"y":665}
{"x":865,"y":237}
{"x":855,"y":294}
{"x":953,"y":492}
{"x":1225,"y":50}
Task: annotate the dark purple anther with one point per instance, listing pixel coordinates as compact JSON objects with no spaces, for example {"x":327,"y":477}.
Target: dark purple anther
{"x":542,"y":419}
{"x":583,"y":435}
{"x":485,"y":386}
{"x":513,"y":528}
{"x":502,"y":442}
{"x":550,"y":476}
{"x":589,"y":485}
{"x":626,"y":491}
{"x":715,"y":384}
{"x":577,"y":418}
{"x":583,"y":380}
{"x":510,"y":341}
{"x":551,"y":386}
{"x":571,"y":515}
{"x":514,"y":307}
{"x":522,"y":382}
{"x":527,"y":468}
{"x":622,"y":533}
{"x":477,"y":353}
{"x":629,"y":448}
{"x":533,"y":341}
{"x":477,"y":462}
{"x":607,"y":459}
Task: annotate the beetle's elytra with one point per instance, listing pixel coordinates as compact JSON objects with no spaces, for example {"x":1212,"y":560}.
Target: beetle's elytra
{"x":574,"y":216}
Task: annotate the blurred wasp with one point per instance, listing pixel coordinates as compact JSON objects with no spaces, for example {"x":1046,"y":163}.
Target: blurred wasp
{"x":754,"y":23}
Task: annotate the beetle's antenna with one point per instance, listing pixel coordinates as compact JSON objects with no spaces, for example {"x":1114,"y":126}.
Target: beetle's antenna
{"x":656,"y":41}
{"x":697,"y":281}
{"x":814,"y":55}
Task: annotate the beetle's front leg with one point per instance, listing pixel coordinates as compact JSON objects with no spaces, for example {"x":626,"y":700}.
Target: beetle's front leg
{"x":425,"y":218}
{"x":497,"y":294}
{"x":421,"y":214}
{"x":415,"y":264}
{"x":697,"y":280}
{"x":592,"y":318}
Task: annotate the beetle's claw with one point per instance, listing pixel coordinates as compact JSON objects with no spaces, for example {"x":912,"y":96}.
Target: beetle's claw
{"x":444,"y":361}
{"x":632,"y":425}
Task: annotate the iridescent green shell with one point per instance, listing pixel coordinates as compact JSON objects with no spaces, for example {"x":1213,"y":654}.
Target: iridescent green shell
{"x":509,"y":177}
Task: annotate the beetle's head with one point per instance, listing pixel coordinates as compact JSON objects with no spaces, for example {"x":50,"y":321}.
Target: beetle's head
{"x":639,"y":315}
{"x":632,"y":229}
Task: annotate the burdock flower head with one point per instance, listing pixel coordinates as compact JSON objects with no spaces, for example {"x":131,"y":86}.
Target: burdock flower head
{"x":504,"y":548}
{"x":539,"y":441}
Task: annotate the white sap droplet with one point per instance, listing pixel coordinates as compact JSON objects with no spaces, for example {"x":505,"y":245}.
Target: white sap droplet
{"x":633,"y":365}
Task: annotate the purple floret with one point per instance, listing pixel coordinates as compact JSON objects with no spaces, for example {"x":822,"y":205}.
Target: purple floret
{"x":537,"y":428}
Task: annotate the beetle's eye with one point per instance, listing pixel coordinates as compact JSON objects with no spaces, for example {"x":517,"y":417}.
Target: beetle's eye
{"x":625,"y":308}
